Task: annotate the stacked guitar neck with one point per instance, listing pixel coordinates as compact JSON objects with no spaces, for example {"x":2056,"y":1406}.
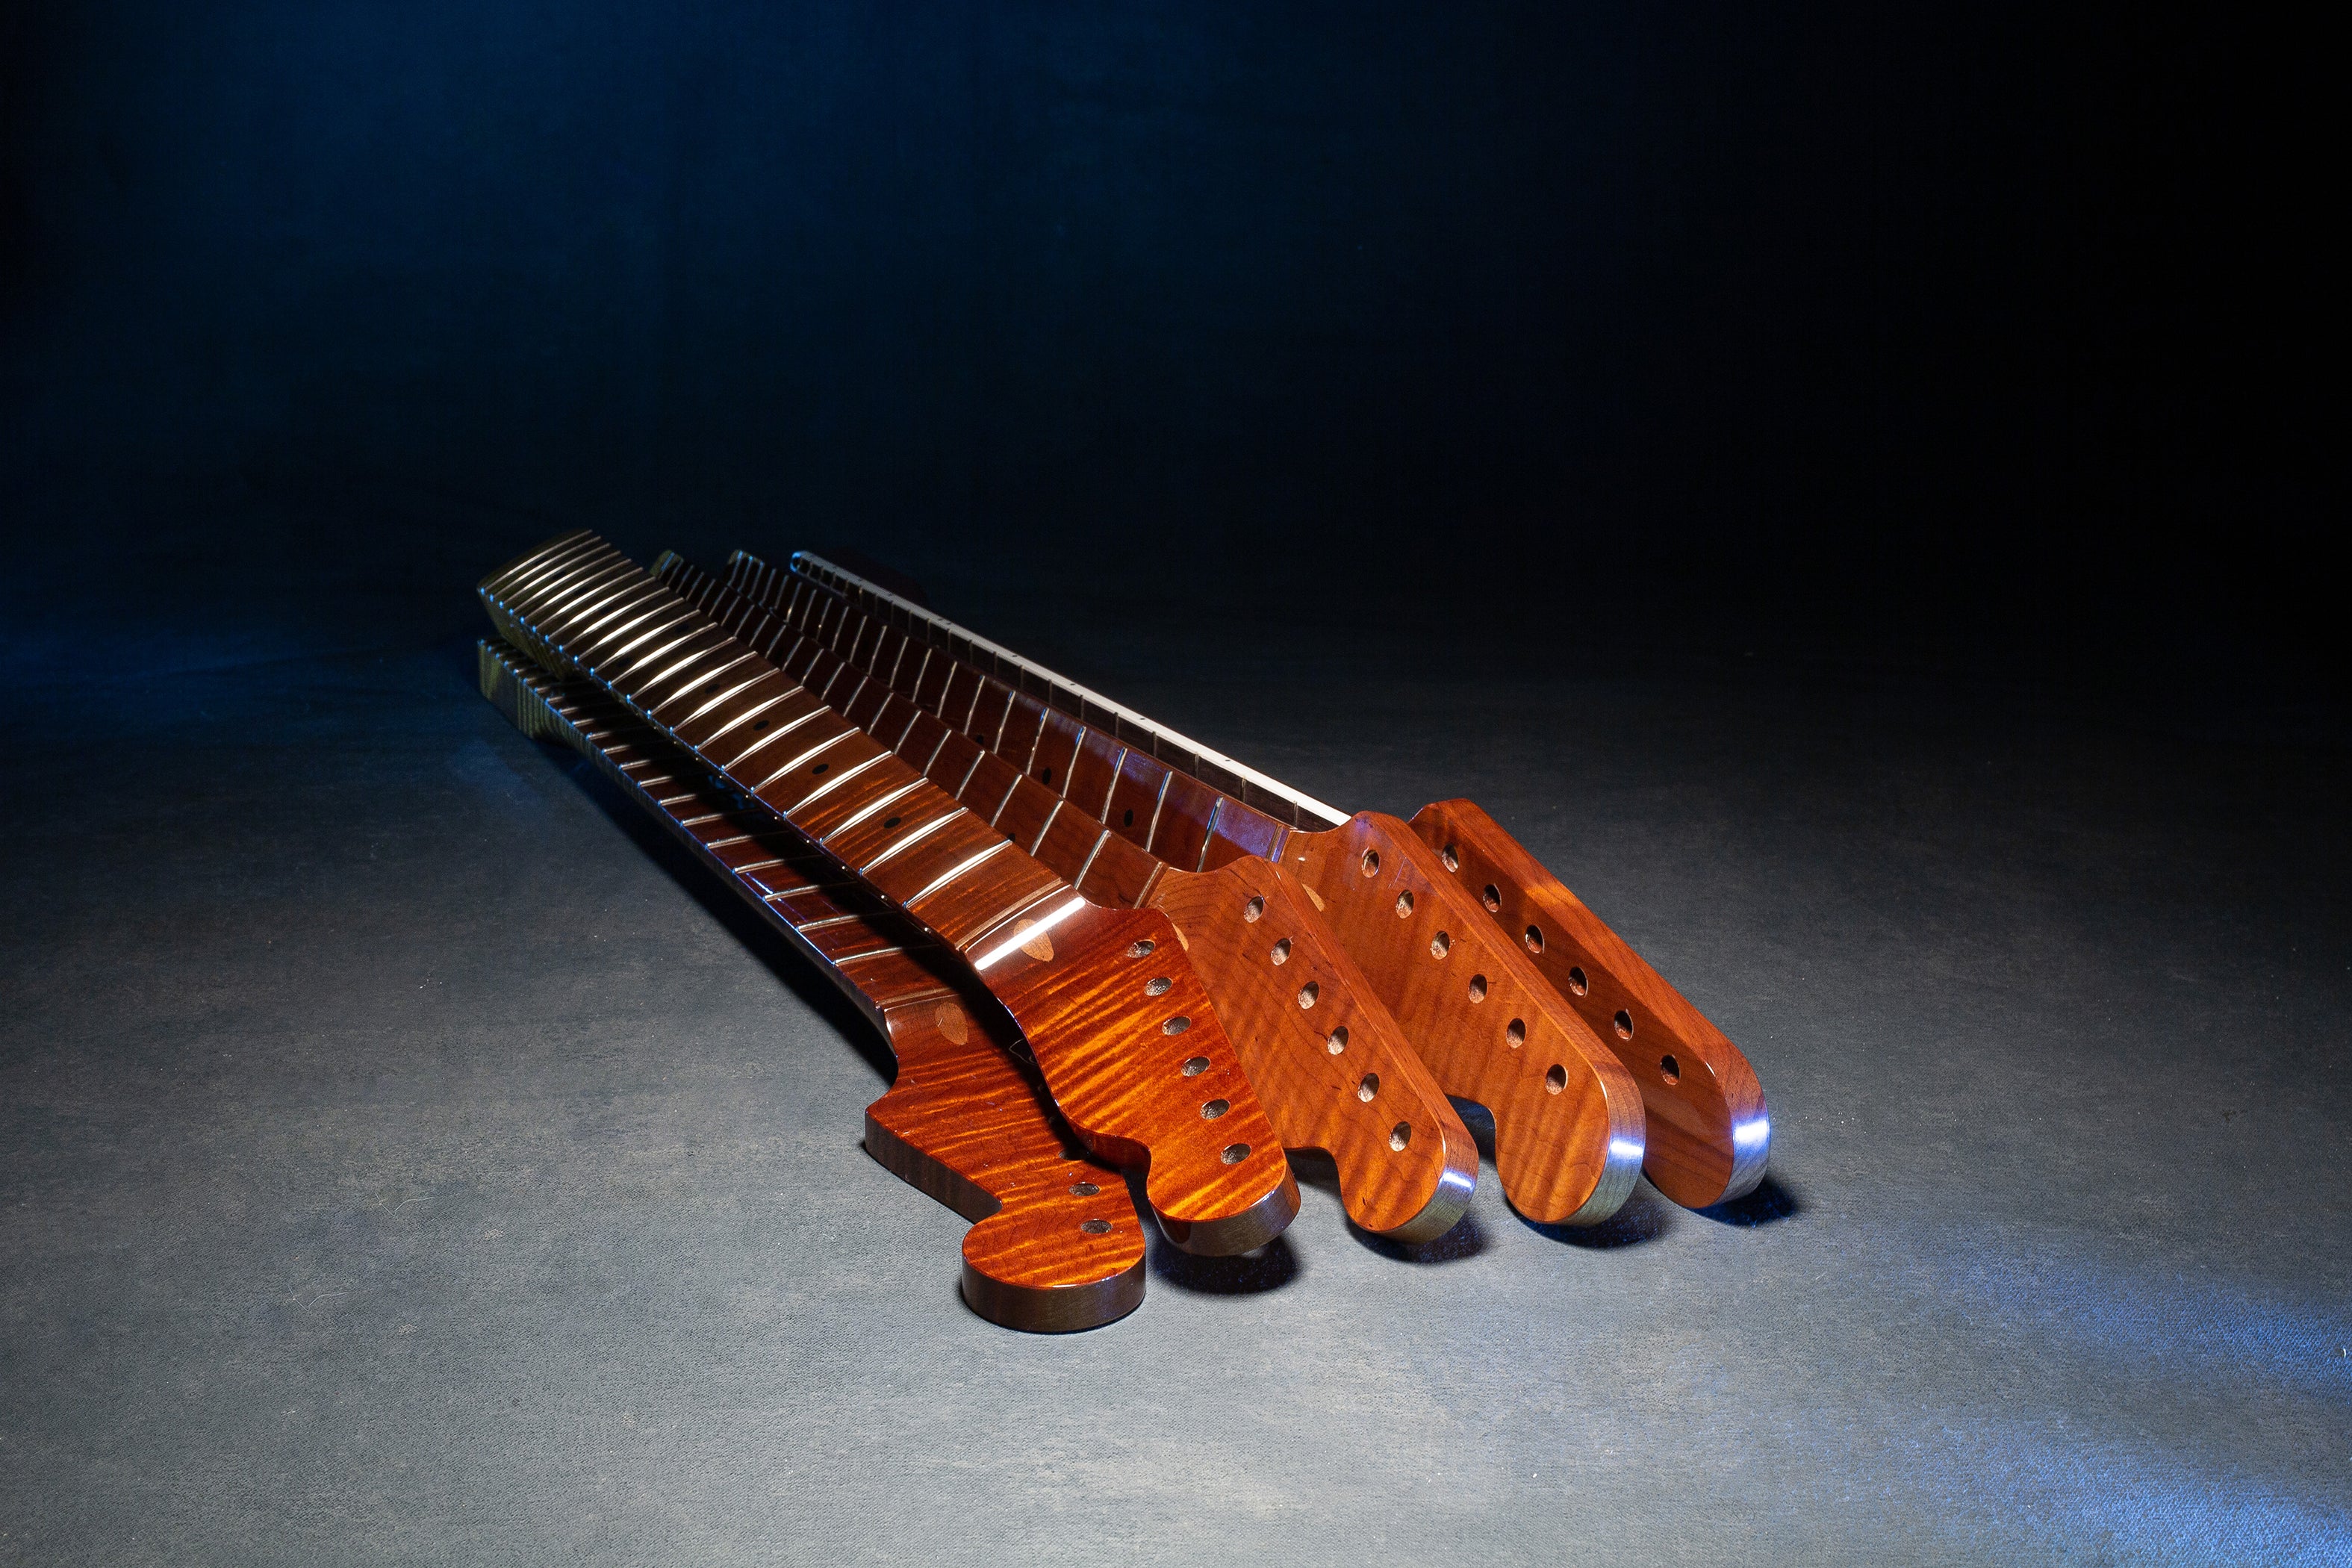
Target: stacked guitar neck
{"x":1202,"y":966}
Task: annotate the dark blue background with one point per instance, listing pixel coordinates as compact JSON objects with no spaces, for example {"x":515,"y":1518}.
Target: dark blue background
{"x":1965,"y":338}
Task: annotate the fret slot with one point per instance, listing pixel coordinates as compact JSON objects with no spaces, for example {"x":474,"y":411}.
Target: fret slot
{"x":1180,"y":831}
{"x":1058,"y":738}
{"x":1092,"y":772}
{"x":1026,"y":812}
{"x":989,"y":787}
{"x":1120,"y":873}
{"x":1135,"y":797}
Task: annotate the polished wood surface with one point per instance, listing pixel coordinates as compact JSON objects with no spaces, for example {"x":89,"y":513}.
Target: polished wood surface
{"x":1717,"y":1129}
{"x":1055,"y":1244}
{"x":1568,"y":1117}
{"x":1709,"y":1136}
{"x":1116,"y":1048}
{"x":1330,"y":1066}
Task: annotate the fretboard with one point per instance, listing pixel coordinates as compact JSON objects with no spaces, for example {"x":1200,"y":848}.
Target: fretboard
{"x":1132,"y":1050}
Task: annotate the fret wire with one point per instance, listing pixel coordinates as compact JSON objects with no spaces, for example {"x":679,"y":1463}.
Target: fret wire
{"x":879,"y":804}
{"x":914,"y":838}
{"x":843,"y":777}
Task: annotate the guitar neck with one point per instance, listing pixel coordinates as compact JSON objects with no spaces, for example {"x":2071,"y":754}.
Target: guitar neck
{"x":1103,"y":1023}
{"x":1057,"y":1244}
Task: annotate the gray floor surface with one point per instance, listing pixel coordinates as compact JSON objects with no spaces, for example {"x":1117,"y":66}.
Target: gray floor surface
{"x":405,"y":1157}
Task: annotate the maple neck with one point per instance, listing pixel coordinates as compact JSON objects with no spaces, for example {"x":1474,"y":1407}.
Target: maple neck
{"x":580,"y":604}
{"x":1294,"y":807}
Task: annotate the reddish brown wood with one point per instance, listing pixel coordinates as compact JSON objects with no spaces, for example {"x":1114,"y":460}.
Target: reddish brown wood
{"x":1328,"y":1062}
{"x":1709,"y":1135}
{"x":1071,"y":974}
{"x":1057,"y":1244}
{"x":1486,"y":1027}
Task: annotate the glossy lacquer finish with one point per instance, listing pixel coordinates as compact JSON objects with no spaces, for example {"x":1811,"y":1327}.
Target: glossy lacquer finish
{"x":1569,"y":1132}
{"x":1329,"y":1064}
{"x":1140,"y":1070}
{"x":1057,"y":1244}
{"x":1709,"y":1136}
{"x":1699,"y":1139}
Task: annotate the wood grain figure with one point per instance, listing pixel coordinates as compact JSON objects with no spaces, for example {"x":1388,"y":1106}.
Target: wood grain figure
{"x":1055,"y":1244}
{"x":1569,"y":1119}
{"x":1247,"y":806}
{"x":1082,"y":981}
{"x":1330,"y":1066}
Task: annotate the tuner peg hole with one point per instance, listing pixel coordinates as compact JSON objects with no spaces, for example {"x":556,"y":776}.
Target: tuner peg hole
{"x":1336,"y":1040}
{"x":1515,"y":1033}
{"x":1176,"y":1026}
{"x":1577,"y":982}
{"x":1141,"y":949}
{"x":1215,"y":1109}
{"x":1255,"y":909}
{"x":1370,"y":1087}
{"x":1535,"y":939}
{"x":1492,"y":898}
{"x":1405,"y":905}
{"x":1371,"y":862}
{"x":1478,"y":988}
{"x":1440,"y":944}
{"x":1400,"y":1135}
{"x":1234,"y":1153}
{"x":1306,"y":995}
{"x":1095,"y":1227}
{"x":1625,"y":1022}
{"x":1281,"y":953}
{"x":1085,"y":1190}
{"x":1195,"y":1067}
{"x":1670,"y":1069}
{"x":1157,"y":985}
{"x":1451,"y":856}
{"x":1555,"y":1080}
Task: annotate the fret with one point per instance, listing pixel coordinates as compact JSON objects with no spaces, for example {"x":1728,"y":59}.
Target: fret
{"x":741,"y":698}
{"x":766,"y":723}
{"x":921,"y":741}
{"x":1710,"y":1131}
{"x":960,"y":1122}
{"x":932,"y":680}
{"x":953,"y":764}
{"x":1092,"y":772}
{"x":988,"y":788}
{"x":510,"y":579}
{"x":898,"y":824}
{"x":1205,"y":1200}
{"x":559,"y":596}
